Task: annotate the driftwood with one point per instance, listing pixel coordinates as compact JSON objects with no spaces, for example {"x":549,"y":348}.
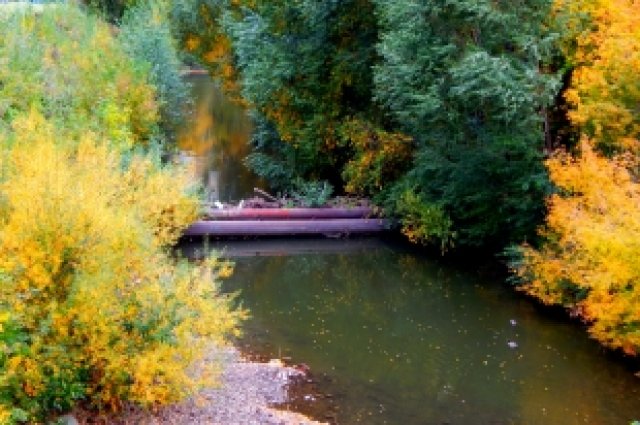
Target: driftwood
{"x":266,"y":195}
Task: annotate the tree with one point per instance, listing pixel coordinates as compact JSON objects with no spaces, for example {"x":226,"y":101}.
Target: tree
{"x":145,"y":32}
{"x":466,"y":84}
{"x":437,"y":102}
{"x":589,"y":260}
{"x":305,"y":68}
{"x":604,"y":89}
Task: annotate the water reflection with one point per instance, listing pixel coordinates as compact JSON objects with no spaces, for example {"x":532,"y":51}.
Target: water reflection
{"x":403,"y":339}
{"x":215,"y":139}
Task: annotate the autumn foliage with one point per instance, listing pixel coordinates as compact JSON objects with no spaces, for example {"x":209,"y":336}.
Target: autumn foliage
{"x":78,"y":74}
{"x":379,"y":156}
{"x":605,"y":53}
{"x":93,"y":306}
{"x":91,"y":302}
{"x":589,"y":262}
{"x":589,"y":259}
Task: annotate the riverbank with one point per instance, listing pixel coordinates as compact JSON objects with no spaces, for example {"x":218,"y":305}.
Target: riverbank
{"x":247,"y":394}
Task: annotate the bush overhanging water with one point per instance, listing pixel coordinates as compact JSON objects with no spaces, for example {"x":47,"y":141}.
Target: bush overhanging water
{"x":92,"y":305}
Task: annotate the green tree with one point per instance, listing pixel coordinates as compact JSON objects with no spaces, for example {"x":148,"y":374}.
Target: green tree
{"x":112,"y":9}
{"x":305,"y":68}
{"x":440,"y":102}
{"x":465,"y":82}
{"x":145,"y":32}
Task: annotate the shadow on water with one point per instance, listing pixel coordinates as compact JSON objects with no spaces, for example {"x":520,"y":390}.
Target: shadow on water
{"x":395,"y":337}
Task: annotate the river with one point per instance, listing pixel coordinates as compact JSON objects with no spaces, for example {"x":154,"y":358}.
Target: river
{"x":392,"y":336}
{"x":215,"y":140}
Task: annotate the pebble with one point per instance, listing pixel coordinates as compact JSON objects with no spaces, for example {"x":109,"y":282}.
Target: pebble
{"x":247,"y":392}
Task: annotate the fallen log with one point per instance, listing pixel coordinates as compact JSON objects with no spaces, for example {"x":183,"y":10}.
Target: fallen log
{"x":288,"y":213}
{"x":286,"y":227}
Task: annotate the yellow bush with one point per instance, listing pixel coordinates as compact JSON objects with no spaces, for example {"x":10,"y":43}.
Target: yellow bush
{"x":70,"y":66}
{"x":603,"y":45}
{"x":589,"y":262}
{"x":92,"y":306}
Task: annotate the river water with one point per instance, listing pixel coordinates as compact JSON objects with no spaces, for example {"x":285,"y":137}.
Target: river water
{"x":396,"y":337}
{"x":215,"y":140}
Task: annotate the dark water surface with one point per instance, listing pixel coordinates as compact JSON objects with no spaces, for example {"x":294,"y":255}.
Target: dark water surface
{"x":398,"y":338}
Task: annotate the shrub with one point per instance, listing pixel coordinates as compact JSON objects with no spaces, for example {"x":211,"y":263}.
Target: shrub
{"x":422,"y":222}
{"x":69,"y":66}
{"x":92,"y":306}
{"x":589,"y":261}
{"x":311,"y":194}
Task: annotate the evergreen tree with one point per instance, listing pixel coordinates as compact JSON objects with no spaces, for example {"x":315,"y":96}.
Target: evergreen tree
{"x":463,"y":79}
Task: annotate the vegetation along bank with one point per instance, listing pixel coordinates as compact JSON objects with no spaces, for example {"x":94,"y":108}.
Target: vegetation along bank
{"x":494,"y":126}
{"x":485,"y":126}
{"x":93,"y":307}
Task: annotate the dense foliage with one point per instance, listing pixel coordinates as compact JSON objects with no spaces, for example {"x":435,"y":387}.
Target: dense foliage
{"x":92,"y":305}
{"x":465,"y":83}
{"x":444,"y":111}
{"x":146,"y":35}
{"x":304,"y":67}
{"x":113,"y":10}
{"x":588,"y":261}
{"x":77,"y":75}
{"x":443,"y":101}
{"x":605,"y":55}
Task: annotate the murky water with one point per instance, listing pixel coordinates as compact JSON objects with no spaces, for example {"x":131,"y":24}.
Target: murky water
{"x":398,"y":338}
{"x":393,"y":336}
{"x":215,"y":139}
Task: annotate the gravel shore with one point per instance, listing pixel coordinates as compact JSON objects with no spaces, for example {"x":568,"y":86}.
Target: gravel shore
{"x":247,"y":392}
